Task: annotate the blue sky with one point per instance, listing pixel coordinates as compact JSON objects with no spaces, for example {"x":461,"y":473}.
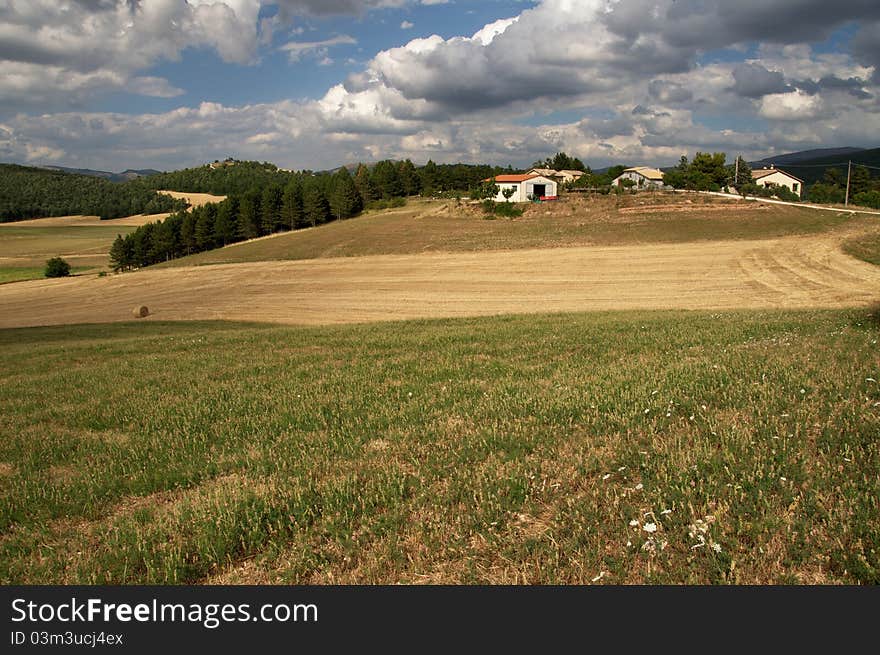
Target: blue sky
{"x":114,"y":84}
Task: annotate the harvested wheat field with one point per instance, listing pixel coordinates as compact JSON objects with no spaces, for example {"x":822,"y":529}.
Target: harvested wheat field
{"x":194,"y":199}
{"x":789,"y":272}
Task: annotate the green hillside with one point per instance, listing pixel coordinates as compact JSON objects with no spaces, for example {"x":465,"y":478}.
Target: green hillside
{"x":27,"y":192}
{"x":813,"y":170}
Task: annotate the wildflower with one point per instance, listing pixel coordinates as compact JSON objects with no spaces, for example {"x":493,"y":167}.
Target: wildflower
{"x":650,"y":527}
{"x":634,"y":523}
{"x":639,"y":486}
{"x":606,"y":476}
{"x":716,"y":548}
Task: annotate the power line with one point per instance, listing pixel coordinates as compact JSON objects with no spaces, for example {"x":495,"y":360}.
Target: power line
{"x":855,"y":163}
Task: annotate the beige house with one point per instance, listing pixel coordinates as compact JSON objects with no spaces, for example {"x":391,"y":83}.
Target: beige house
{"x":525,"y":187}
{"x":642,"y":177}
{"x":564,"y":177}
{"x":775,"y":177}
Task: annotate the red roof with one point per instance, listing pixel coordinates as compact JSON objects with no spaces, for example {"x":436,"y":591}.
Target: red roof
{"x":512,"y":178}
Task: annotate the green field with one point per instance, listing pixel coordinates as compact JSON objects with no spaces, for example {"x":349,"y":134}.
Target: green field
{"x":29,"y":246}
{"x":18,"y":274}
{"x":444,"y":226}
{"x":621,"y":448}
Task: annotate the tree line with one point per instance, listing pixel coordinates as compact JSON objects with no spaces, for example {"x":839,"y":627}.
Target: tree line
{"x":381,"y":181}
{"x":305,"y":201}
{"x":27,"y":192}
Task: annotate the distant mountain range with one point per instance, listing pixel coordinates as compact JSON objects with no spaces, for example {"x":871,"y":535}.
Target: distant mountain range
{"x":820,"y":154}
{"x":124,"y":176}
{"x":810,"y":165}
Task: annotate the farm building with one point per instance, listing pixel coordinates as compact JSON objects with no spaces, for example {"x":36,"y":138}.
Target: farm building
{"x":560,"y":176}
{"x":642,"y":176}
{"x":525,"y":187}
{"x":775,"y":177}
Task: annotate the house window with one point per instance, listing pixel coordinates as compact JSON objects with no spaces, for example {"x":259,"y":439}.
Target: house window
{"x":794,"y":187}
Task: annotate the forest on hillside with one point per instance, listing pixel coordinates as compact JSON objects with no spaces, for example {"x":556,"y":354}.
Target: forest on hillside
{"x":382,"y":180}
{"x":305,"y":201}
{"x":27,"y":192}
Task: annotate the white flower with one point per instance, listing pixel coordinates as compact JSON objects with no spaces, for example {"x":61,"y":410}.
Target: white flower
{"x":606,"y":476}
{"x":716,"y":548}
{"x":650,"y":527}
{"x":633,"y":523}
{"x":639,"y":486}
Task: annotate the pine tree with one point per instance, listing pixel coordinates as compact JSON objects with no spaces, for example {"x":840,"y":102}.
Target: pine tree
{"x":860,"y":180}
{"x":249,"y":215}
{"x":188,"y":233}
{"x":430,"y":178}
{"x":204,"y":228}
{"x":364,"y":184}
{"x":225,"y":225}
{"x":292,"y":205}
{"x":315,"y":206}
{"x":386,"y":179}
{"x":345,"y":201}
{"x":270,"y":208}
{"x":409,"y":180}
{"x":121,"y":254}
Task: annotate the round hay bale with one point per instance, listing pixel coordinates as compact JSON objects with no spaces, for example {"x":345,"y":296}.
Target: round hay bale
{"x":140,"y":311}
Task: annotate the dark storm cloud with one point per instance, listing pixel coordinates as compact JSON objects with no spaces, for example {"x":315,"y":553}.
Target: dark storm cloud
{"x":755,"y":81}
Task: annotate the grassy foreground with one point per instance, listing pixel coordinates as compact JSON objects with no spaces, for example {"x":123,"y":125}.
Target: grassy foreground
{"x":620,"y":448}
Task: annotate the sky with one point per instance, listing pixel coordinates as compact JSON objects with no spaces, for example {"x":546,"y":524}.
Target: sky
{"x":315,"y":84}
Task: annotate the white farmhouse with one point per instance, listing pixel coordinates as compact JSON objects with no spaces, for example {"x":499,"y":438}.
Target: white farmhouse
{"x":524,"y":187}
{"x":642,"y":176}
{"x":774,"y":177}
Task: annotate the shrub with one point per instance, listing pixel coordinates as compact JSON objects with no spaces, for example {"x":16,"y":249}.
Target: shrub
{"x":868,"y":199}
{"x":390,"y":203}
{"x":505,"y":209}
{"x":57,"y":267}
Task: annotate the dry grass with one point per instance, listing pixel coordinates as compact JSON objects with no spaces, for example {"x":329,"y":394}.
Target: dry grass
{"x":444,"y":226}
{"x":791,"y":272}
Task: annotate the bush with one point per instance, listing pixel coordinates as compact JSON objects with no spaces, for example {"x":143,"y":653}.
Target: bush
{"x":57,"y":267}
{"x":505,"y":209}
{"x":391,"y":203}
{"x":868,"y":199}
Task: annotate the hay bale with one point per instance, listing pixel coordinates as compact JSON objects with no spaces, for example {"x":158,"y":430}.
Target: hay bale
{"x":140,"y":311}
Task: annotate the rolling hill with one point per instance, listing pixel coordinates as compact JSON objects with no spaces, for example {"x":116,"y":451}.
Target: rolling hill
{"x":811,"y":169}
{"x":124,"y":176}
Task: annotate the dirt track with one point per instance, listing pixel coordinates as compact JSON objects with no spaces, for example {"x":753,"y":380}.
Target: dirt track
{"x":791,"y":272}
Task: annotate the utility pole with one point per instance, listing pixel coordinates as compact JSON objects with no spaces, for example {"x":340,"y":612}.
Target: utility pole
{"x":848,"y":176}
{"x":736,"y":173}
